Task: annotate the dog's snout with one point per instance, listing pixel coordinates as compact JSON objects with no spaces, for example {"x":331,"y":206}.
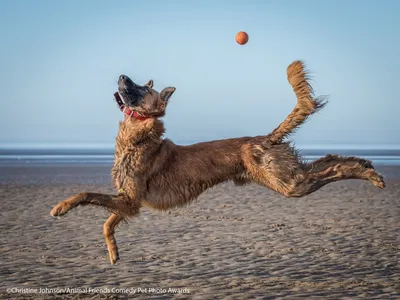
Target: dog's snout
{"x":125,"y":81}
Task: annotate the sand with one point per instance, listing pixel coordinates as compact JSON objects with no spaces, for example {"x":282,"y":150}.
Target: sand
{"x":341,"y":242}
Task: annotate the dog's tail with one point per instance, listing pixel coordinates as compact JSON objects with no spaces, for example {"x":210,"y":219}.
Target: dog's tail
{"x":306,"y":105}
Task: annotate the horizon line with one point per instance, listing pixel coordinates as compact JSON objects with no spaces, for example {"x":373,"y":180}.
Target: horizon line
{"x":53,"y":145}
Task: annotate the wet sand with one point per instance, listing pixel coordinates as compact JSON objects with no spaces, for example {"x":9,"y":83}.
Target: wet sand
{"x":341,"y":242}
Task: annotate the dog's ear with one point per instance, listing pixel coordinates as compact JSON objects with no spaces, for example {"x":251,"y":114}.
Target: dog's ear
{"x":149,"y":84}
{"x":167,"y":93}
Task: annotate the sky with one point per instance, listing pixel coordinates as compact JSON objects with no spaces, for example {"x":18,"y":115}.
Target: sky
{"x":60,"y":62}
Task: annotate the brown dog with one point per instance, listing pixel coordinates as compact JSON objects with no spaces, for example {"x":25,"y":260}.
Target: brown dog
{"x":151,"y":171}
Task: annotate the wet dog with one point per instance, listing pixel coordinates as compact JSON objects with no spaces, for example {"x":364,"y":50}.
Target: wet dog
{"x":154,"y":172}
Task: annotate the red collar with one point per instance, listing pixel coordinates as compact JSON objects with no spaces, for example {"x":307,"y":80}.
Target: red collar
{"x":127,"y":111}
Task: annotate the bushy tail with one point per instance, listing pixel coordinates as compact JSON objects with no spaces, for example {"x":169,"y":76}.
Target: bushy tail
{"x":306,"y":103}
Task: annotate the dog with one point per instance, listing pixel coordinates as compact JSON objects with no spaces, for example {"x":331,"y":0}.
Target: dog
{"x":152,"y":171}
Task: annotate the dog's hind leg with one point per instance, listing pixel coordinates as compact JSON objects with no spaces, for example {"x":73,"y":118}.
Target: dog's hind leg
{"x":333,"y":168}
{"x":346,"y":168}
{"x":108,"y":231}
{"x":280,"y":169}
{"x":115,"y":203}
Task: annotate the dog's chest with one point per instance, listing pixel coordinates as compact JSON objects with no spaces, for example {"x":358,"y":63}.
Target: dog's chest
{"x":127,"y":164}
{"x":134,"y":153}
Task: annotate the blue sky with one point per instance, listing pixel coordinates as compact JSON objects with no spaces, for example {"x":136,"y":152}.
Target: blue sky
{"x":60,"y":61}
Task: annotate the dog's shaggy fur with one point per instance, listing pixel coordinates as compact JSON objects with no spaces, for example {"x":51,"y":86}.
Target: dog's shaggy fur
{"x":154,"y":172}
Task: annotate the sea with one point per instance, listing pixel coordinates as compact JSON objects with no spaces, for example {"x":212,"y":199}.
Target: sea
{"x":103,"y":155}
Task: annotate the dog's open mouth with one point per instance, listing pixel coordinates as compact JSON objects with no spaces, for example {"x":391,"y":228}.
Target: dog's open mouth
{"x":127,"y":111}
{"x":120,"y":99}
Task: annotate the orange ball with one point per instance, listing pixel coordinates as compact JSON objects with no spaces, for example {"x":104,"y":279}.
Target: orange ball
{"x":242,"y":37}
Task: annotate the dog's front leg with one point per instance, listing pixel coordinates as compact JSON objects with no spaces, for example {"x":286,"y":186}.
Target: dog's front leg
{"x":111,"y":202}
{"x":118,"y":203}
{"x":108,"y":231}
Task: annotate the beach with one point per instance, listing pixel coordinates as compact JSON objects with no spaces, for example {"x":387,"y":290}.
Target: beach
{"x":341,"y":242}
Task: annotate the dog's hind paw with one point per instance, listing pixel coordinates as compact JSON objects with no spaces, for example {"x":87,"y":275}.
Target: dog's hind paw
{"x":60,"y":209}
{"x":376,"y":179}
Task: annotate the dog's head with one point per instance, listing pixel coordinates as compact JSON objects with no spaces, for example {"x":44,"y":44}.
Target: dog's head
{"x":143,"y":99}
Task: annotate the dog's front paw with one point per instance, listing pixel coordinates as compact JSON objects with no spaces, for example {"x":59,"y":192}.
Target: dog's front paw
{"x":114,"y":256}
{"x":60,"y":209}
